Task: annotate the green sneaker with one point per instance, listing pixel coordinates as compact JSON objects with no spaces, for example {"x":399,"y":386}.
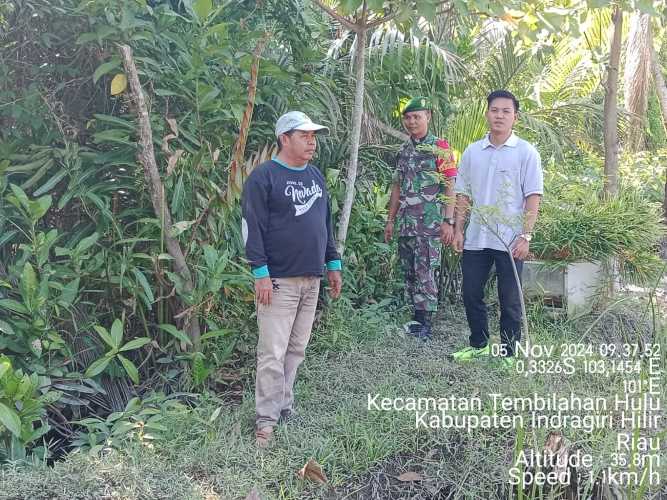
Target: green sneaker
{"x":469,"y":353}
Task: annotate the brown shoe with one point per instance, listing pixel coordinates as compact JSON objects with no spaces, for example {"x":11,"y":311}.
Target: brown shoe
{"x":263,"y":436}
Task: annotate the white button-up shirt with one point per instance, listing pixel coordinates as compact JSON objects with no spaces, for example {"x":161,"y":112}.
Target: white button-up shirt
{"x":497,"y":180}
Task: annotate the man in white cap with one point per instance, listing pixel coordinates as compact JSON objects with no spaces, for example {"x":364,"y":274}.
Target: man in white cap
{"x":288,"y":236}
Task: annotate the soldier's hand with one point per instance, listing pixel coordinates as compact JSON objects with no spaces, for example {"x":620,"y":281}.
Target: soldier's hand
{"x":389,"y":231}
{"x":446,"y":233}
{"x":263,"y":290}
{"x":458,"y":241}
{"x":335,"y":283}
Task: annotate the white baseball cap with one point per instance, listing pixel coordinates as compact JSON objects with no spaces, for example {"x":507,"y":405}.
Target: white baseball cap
{"x":296,"y":120}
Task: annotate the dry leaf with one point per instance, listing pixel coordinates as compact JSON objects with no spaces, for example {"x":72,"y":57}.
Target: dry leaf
{"x":555,"y":445}
{"x":253,"y":495}
{"x":215,"y":414}
{"x":216,"y":155}
{"x":173,"y":126}
{"x":165,"y":142}
{"x":313,"y":471}
{"x":554,"y":442}
{"x":410,"y":476}
{"x":173,"y":159}
{"x":118,"y":84}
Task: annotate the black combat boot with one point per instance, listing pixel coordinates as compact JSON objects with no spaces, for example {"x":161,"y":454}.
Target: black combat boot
{"x":417,"y":323}
{"x":425,"y":332}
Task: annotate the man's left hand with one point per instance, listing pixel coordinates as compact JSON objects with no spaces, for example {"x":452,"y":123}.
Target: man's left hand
{"x":446,"y":233}
{"x":520,"y":249}
{"x":335,"y":283}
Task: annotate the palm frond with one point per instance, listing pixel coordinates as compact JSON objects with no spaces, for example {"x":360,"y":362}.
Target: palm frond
{"x":446,"y":27}
{"x":565,"y":126}
{"x":467,"y":126}
{"x":337,"y":44}
{"x":491,"y":35}
{"x":429,"y":57}
{"x":320,"y":91}
{"x":569,"y":74}
{"x":548,"y":135}
{"x":504,"y":64}
{"x":595,"y":30}
{"x":552,"y":83}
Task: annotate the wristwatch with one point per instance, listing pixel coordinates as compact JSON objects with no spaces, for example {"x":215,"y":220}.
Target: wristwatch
{"x":526,"y":236}
{"x":451,"y":221}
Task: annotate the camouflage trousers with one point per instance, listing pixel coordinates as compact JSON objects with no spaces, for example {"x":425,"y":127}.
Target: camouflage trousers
{"x":420,"y":259}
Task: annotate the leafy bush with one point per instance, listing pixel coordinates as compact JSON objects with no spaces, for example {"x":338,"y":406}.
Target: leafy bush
{"x":114,"y":341}
{"x":578,"y":225}
{"x":371,"y":270}
{"x":140,"y":421}
{"x":644,"y":172}
{"x":80,"y":244}
{"x":22,"y":412}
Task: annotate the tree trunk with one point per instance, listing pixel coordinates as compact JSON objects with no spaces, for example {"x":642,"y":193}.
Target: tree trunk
{"x":357,"y":112}
{"x":611,"y":110}
{"x":146,"y":157}
{"x":235,"y":179}
{"x":637,"y":77}
{"x":661,"y":90}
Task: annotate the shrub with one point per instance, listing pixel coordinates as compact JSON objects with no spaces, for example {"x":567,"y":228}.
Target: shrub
{"x":22,"y":412}
{"x":579,"y":226}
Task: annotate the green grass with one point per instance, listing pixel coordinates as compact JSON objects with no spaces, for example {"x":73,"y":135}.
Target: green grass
{"x":362,"y":452}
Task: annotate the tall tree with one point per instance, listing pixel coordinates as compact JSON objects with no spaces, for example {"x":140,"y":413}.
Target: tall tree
{"x":146,"y":157}
{"x":360,"y":16}
{"x":359,"y":24}
{"x":611,"y":145}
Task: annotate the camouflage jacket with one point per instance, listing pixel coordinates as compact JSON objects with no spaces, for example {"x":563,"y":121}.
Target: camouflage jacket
{"x":421,"y":176}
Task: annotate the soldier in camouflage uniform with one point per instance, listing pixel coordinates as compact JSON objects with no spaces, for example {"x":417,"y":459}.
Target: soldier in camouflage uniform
{"x":422,"y":181}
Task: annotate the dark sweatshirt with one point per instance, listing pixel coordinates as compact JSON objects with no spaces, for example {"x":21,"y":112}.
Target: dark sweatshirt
{"x":287,"y":227}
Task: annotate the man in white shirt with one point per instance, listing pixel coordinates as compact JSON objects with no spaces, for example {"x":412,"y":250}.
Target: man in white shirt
{"x":500,"y":185}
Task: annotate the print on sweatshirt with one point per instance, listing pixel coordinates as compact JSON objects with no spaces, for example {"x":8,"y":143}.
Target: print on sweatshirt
{"x":300,"y":194}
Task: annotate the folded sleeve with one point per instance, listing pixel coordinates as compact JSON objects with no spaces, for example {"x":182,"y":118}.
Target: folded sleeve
{"x":533,"y":179}
{"x":334,"y":265}
{"x":255,"y":211}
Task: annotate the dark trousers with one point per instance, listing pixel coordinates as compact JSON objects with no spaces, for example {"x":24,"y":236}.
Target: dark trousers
{"x":420,"y":258}
{"x":476,"y":265}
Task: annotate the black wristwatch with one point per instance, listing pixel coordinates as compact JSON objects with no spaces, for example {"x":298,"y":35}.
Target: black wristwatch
{"x":451,"y":221}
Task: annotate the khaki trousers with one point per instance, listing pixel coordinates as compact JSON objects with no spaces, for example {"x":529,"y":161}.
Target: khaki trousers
{"x":284,"y":331}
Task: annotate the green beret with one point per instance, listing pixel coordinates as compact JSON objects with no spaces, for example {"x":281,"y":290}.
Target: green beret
{"x":417,"y":104}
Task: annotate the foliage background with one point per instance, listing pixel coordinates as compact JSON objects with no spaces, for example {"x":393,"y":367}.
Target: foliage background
{"x":93,"y":347}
